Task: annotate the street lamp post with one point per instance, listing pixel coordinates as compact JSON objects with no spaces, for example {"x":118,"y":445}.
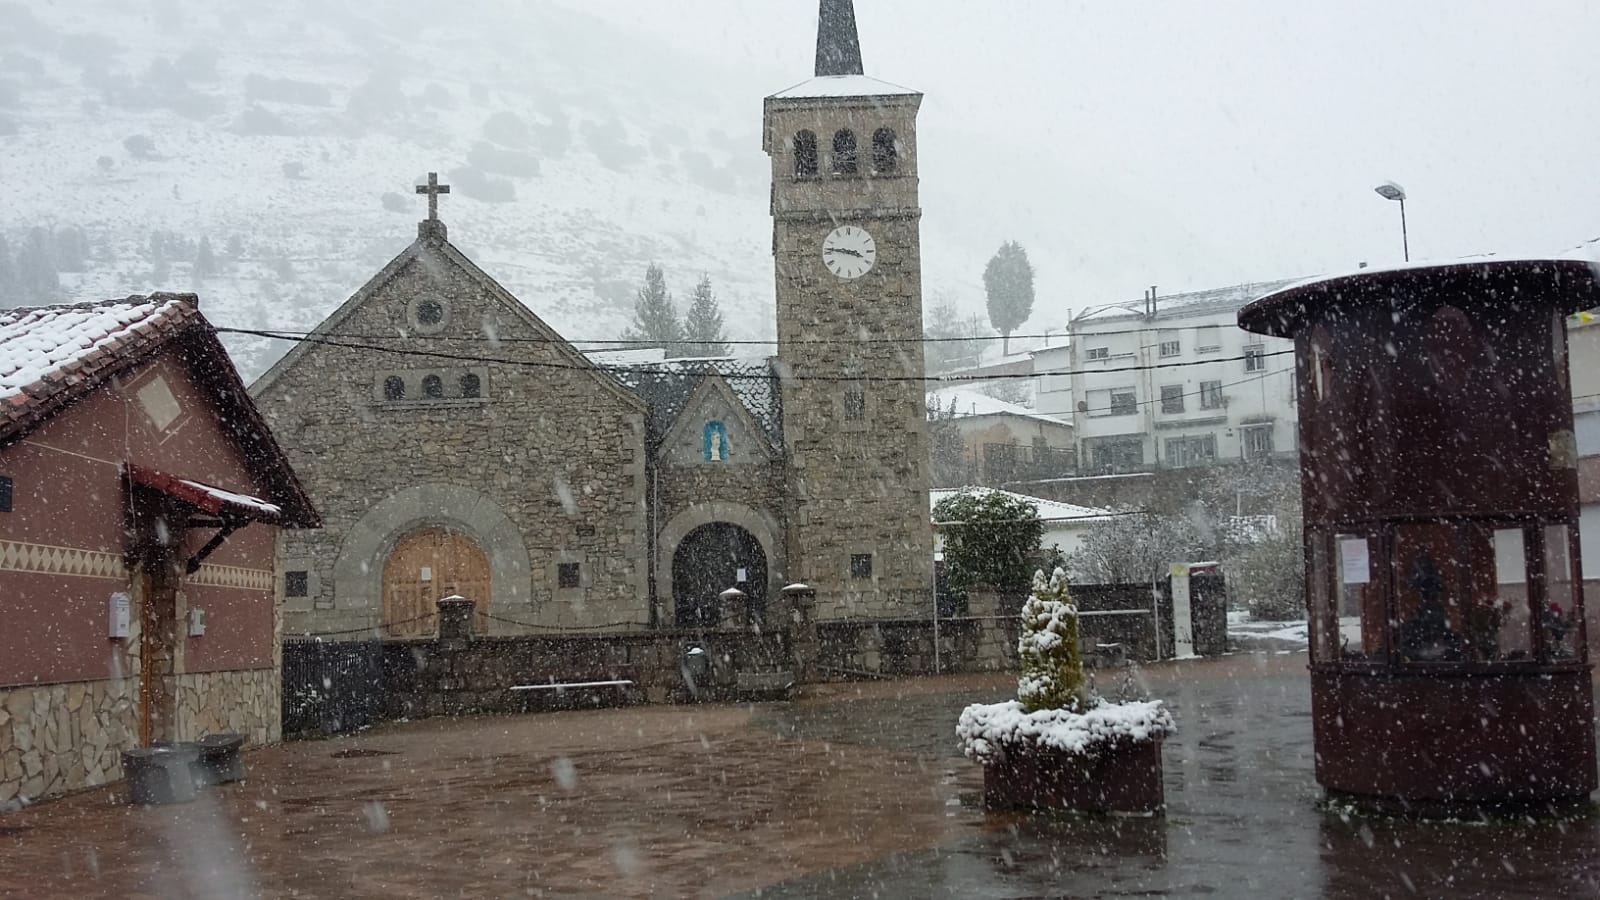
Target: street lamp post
{"x":1391,"y":191}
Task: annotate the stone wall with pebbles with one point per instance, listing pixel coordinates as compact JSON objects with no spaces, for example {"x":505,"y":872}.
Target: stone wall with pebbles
{"x":247,"y":703}
{"x":61,"y":737}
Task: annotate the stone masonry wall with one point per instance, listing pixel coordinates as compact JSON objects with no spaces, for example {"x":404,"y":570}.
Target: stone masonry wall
{"x":61,"y":737}
{"x":857,"y":486}
{"x":859,"y":476}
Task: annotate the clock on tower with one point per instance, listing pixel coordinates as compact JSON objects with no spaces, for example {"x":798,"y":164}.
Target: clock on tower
{"x":848,"y":268}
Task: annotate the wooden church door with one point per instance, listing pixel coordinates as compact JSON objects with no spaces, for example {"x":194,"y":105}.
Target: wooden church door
{"x":424,"y":567}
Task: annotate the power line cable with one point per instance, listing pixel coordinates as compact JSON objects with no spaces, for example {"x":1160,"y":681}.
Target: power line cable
{"x":710,"y":368}
{"x":646,"y":344}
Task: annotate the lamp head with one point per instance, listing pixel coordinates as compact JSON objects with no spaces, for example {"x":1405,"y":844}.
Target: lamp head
{"x":1391,"y":191}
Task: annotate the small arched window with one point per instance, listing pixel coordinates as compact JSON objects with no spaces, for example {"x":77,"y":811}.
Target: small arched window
{"x":471,"y":386}
{"x":844,"y":152}
{"x":394,"y":388}
{"x":885,"y":156}
{"x":433,"y":387}
{"x":805,"y":154}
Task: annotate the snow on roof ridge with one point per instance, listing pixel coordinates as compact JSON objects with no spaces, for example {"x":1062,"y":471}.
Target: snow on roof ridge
{"x":976,"y":403}
{"x":39,"y":342}
{"x":842,"y":86}
{"x":1062,"y":509}
{"x":1585,"y":251}
{"x":1236,"y":295}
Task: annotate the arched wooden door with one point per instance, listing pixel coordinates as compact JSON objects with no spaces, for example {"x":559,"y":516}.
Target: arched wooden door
{"x":424,"y":567}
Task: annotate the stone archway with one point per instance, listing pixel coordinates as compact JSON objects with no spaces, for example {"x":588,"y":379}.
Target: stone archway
{"x":759,"y":524}
{"x":708,"y":561}
{"x":358,"y":572}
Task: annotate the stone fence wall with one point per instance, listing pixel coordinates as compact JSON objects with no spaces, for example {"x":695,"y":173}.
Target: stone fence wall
{"x":515,"y":674}
{"x":461,"y":673}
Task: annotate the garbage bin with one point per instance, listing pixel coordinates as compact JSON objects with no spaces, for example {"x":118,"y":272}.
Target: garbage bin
{"x":220,"y":762}
{"x":161,"y":773}
{"x":696,"y":670}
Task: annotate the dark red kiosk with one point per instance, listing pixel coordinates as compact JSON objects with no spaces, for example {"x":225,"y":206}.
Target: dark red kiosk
{"x":1449,"y":667}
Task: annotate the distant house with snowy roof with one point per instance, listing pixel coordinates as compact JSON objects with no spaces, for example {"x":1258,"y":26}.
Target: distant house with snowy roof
{"x":1171,"y":382}
{"x":1002,"y":441}
{"x":1065,"y":524}
{"x":141,"y":496}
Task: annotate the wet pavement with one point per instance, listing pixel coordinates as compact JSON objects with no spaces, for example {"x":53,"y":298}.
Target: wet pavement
{"x":856,"y":791}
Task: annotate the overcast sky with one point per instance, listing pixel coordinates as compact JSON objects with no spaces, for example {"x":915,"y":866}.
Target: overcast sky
{"x":1196,"y":144}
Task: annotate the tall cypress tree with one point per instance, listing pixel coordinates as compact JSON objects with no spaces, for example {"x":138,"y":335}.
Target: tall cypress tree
{"x":655,"y":318}
{"x":703,"y":323}
{"x":1008,"y":281}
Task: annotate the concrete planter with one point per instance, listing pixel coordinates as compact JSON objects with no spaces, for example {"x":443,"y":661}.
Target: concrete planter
{"x":1122,"y":776}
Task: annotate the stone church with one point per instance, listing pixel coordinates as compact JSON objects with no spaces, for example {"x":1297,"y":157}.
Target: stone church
{"x":456,"y":444}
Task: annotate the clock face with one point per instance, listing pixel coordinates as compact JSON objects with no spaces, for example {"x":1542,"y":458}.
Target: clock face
{"x":849,"y":251}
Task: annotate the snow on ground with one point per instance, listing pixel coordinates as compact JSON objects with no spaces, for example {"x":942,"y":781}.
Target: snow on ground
{"x":1284,"y":636}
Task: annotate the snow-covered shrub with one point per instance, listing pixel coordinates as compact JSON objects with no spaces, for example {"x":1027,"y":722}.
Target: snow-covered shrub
{"x":988,"y":730}
{"x":1052,"y":667}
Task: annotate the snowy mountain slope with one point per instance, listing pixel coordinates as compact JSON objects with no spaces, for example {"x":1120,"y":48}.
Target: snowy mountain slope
{"x":286,"y":126}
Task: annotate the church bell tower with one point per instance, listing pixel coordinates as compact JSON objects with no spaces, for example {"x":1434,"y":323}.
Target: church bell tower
{"x":848,"y":265}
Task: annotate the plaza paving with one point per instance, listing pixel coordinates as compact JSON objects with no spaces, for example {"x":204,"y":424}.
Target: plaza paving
{"x":855,"y":791}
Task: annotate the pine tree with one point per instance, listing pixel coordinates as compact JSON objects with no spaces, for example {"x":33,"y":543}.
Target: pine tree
{"x":9,"y":295}
{"x":702,"y":324}
{"x":1008,"y":281}
{"x":655,"y":319}
{"x":205,"y":264}
{"x":71,"y":249}
{"x":37,"y":281}
{"x":1052,"y":668}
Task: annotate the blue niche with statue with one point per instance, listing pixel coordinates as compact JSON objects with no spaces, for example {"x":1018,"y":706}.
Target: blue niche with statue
{"x":714,"y":440}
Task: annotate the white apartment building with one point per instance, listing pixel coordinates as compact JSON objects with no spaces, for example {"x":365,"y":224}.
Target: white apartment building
{"x":1169,"y":382}
{"x":1583,"y":365}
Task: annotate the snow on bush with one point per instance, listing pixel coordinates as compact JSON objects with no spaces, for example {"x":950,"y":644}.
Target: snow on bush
{"x":1052,"y":668}
{"x":1055,"y":710}
{"x":988,"y":729}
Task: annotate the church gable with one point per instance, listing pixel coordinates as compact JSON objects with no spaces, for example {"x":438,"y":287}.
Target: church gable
{"x":459,"y":324}
{"x":714,"y":427}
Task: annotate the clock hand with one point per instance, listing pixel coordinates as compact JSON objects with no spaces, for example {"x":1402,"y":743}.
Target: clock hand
{"x":855,"y":253}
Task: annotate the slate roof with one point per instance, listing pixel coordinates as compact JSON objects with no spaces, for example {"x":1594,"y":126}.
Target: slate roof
{"x":666,"y":385}
{"x":53,"y":356}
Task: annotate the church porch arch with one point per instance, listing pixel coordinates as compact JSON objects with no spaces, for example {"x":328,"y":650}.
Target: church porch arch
{"x":756,"y":523}
{"x":359,"y":571}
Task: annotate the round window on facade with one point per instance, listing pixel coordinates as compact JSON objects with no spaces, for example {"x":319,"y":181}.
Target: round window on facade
{"x":428,"y":315}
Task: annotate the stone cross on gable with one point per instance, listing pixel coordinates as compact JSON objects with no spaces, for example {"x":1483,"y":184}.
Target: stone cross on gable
{"x":433,"y":189}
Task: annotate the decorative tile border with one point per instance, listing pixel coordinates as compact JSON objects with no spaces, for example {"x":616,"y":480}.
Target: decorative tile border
{"x":16,"y":556}
{"x":233,"y":577}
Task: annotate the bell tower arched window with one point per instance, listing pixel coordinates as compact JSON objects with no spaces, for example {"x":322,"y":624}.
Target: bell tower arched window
{"x":394,"y":388}
{"x":844,"y":152}
{"x":805,"y":154}
{"x":885,"y":156}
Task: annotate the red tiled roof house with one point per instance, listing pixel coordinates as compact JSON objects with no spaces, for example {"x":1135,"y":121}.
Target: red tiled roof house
{"x":140,"y":499}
